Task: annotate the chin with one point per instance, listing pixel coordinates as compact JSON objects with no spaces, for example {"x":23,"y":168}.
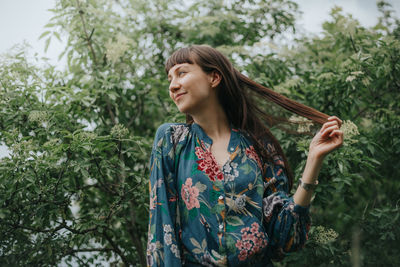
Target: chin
{"x":183,"y":108}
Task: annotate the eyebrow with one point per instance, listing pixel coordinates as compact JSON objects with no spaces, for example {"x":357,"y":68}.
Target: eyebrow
{"x":169,"y":76}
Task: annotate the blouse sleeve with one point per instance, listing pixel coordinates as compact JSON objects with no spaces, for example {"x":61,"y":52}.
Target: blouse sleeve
{"x":287,"y":223}
{"x":162,"y":247}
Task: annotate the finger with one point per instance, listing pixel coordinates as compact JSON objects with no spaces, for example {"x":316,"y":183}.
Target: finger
{"x":337,"y":133}
{"x":334,"y":118}
{"x":339,"y":136}
{"x":328,"y":130}
{"x":329,"y":124}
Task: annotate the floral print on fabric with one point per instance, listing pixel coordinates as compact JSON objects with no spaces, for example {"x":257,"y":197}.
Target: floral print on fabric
{"x":251,"y":242}
{"x":190,"y":194}
{"x":271,"y":203}
{"x":168,"y":240}
{"x":251,"y":153}
{"x":179,"y":133}
{"x":202,"y":214}
{"x":230,"y":170}
{"x":208,"y":164}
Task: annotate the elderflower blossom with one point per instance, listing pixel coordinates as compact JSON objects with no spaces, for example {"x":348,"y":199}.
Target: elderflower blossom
{"x":22,"y":147}
{"x":324,"y":235}
{"x":353,"y":75}
{"x":116,"y":49}
{"x":350,"y":130}
{"x":52,"y":143}
{"x":85,"y":137}
{"x":37,"y":116}
{"x":119,"y":131}
{"x":304,"y":124}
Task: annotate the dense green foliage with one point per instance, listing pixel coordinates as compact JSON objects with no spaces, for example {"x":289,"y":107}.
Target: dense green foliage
{"x":74,"y":188}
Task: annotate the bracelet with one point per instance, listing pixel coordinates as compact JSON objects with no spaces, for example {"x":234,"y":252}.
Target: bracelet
{"x":308,"y":187}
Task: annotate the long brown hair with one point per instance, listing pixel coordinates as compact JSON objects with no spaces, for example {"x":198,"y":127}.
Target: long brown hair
{"x":234,"y":93}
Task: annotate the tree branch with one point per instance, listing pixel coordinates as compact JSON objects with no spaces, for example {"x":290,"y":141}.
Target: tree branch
{"x":103,"y":185}
{"x":61,"y":226}
{"x":88,"y":37}
{"x":116,"y":248}
{"x":134,"y":233}
{"x":352,"y":44}
{"x":60,"y":175}
{"x":110,"y":111}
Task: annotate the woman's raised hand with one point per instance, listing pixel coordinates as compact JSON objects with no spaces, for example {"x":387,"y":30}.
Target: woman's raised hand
{"x":327,"y":139}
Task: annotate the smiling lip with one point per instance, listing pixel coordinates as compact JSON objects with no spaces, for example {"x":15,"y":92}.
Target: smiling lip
{"x":179,"y":95}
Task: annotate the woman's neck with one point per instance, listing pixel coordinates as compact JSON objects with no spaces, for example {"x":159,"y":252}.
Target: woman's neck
{"x":214,"y":122}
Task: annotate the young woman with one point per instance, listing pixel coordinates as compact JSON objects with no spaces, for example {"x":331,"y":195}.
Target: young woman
{"x":219,"y":183}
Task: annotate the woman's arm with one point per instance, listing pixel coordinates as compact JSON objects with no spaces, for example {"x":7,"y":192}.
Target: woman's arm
{"x":163,"y":246}
{"x":326,"y":140}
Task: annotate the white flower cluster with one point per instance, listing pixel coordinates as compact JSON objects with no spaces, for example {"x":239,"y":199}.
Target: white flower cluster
{"x":353,"y":75}
{"x":304,"y":124}
{"x":22,"y":147}
{"x":324,"y":235}
{"x":85,"y":137}
{"x":52,"y":143}
{"x":230,"y":171}
{"x":37,"y":116}
{"x":168,"y":240}
{"x":119,"y":131}
{"x":350,"y":130}
{"x":179,"y":133}
{"x":116,"y":49}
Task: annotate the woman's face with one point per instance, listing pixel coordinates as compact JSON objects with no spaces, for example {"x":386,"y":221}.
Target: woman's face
{"x":190,"y":88}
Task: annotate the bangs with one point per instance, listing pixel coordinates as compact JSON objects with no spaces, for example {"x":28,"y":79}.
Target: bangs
{"x":183,"y":55}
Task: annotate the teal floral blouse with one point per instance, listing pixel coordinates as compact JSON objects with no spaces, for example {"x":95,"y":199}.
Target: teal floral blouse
{"x":205,"y":215}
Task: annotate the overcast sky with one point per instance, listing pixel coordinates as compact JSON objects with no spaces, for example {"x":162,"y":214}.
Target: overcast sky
{"x":25,"y":19}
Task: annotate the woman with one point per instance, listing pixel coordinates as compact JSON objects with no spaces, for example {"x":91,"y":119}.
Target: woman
{"x":219,"y":183}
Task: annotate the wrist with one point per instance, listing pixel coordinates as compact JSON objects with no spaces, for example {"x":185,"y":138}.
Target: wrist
{"x":312,"y":168}
{"x":316,"y":158}
{"x":308,"y":186}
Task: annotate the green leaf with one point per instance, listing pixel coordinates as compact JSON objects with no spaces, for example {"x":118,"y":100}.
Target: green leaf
{"x":246,"y":168}
{"x":204,"y":209}
{"x":46,"y":46}
{"x":234,"y":220}
{"x":44,"y":34}
{"x":57,"y":35}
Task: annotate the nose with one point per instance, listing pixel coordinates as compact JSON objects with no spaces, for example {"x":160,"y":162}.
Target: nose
{"x":174,"y":86}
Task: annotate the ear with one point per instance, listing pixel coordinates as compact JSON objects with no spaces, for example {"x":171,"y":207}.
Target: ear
{"x":215,"y":78}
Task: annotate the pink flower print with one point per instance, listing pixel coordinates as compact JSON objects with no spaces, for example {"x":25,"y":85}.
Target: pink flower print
{"x":239,"y":244}
{"x":254,"y":228}
{"x":252,"y":154}
{"x":244,"y":230}
{"x":242,"y":255}
{"x":252,"y":241}
{"x":190,"y":194}
{"x":153,"y":201}
{"x":248,"y":245}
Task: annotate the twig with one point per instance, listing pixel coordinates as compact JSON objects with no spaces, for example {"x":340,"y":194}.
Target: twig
{"x":353,"y":45}
{"x":110,"y":111}
{"x":134,"y":234}
{"x":88,"y":38}
{"x":116,"y":248}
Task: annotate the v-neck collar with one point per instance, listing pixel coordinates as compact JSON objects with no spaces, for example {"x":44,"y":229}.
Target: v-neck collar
{"x":233,"y":140}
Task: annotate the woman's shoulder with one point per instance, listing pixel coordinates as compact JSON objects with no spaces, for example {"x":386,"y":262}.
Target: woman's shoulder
{"x":174,"y":132}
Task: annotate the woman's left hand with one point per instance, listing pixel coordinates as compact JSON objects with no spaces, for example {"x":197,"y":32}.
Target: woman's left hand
{"x":327,"y":139}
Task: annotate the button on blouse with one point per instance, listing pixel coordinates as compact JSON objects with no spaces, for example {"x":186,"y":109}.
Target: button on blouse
{"x":203,"y":214}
